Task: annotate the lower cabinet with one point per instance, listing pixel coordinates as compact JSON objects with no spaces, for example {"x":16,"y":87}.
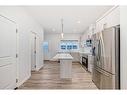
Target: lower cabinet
{"x":80,"y":58}
{"x":76,"y":56}
{"x":90,"y":62}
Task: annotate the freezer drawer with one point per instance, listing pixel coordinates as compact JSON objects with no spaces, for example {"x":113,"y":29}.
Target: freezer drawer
{"x":103,"y":79}
{"x":96,"y":77}
{"x":107,"y":81}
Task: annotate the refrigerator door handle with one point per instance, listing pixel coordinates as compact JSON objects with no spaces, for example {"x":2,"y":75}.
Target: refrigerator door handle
{"x":104,"y":72}
{"x":99,"y":50}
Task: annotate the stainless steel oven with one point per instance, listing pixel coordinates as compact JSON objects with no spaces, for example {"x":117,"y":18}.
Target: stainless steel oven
{"x":85,"y":61}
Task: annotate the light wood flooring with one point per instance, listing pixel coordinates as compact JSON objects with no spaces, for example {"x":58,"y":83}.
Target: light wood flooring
{"x":49,"y":78}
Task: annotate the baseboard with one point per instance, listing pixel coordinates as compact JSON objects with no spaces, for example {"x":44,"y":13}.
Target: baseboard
{"x":58,"y":61}
{"x":75,"y":62}
{"x":46,"y":60}
{"x":24,"y":80}
{"x":37,"y":69}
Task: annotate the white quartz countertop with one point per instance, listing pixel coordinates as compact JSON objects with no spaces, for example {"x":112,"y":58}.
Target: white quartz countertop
{"x":85,"y":53}
{"x":81,"y":52}
{"x":62,"y":56}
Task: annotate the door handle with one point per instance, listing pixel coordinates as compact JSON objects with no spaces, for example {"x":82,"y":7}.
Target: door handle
{"x":103,"y":72}
{"x":99,"y":49}
{"x":98,"y":57}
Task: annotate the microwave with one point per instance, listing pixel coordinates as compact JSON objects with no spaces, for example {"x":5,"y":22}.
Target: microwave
{"x":89,"y":43}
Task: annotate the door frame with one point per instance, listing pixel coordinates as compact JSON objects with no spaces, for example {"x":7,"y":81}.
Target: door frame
{"x":37,"y":41}
{"x":33,"y":47}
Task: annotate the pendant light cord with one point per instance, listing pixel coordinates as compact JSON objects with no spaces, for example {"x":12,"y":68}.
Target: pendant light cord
{"x":62,"y":24}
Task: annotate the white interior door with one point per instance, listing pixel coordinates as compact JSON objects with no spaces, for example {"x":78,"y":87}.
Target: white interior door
{"x":37,"y":52}
{"x":7,"y":54}
{"x":17,"y":59}
{"x":33,"y":51}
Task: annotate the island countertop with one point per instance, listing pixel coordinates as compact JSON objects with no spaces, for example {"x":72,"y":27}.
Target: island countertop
{"x":65,"y":64}
{"x":62,"y":56}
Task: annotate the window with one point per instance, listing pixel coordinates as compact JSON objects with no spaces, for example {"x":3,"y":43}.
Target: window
{"x":63,"y":47}
{"x":69,"y":45}
{"x":75,"y":47}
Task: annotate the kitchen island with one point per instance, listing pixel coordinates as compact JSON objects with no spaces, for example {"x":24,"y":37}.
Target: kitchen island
{"x":65,"y":64}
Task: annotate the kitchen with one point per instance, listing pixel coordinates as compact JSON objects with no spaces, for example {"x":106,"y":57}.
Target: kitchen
{"x":84,"y":53}
{"x":72,"y":51}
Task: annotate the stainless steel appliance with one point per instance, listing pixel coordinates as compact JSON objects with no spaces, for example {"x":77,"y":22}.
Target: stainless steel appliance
{"x":85,"y":61}
{"x":106,"y":52}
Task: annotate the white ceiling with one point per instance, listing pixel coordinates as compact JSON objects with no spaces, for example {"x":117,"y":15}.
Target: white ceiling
{"x":75,"y":18}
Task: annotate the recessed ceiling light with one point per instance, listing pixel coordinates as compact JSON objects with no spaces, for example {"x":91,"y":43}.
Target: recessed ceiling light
{"x":53,"y":29}
{"x":74,"y":30}
{"x":78,"y":21}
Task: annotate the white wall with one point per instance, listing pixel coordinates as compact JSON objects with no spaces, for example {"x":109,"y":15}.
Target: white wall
{"x":54,"y":40}
{"x":109,"y":19}
{"x":123,"y":35}
{"x":88,"y":32}
{"x":25,"y":24}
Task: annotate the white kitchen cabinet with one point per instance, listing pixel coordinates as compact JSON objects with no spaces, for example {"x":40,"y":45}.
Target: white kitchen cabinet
{"x":7,"y":54}
{"x":90,"y":63}
{"x":81,"y":58}
{"x":76,"y":56}
{"x":65,"y":68}
{"x":99,"y":25}
{"x":111,"y":18}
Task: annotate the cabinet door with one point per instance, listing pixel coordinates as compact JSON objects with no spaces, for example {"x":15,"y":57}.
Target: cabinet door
{"x":99,"y":25}
{"x":7,"y":54}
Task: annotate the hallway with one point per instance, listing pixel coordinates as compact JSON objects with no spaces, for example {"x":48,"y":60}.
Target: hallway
{"x":48,"y":78}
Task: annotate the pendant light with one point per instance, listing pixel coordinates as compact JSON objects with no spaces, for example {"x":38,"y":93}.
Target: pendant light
{"x":62,"y":34}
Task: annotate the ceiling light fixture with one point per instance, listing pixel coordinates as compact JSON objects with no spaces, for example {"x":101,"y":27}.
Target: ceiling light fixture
{"x":53,"y":29}
{"x":62,"y":34}
{"x":78,"y":21}
{"x":74,"y":30}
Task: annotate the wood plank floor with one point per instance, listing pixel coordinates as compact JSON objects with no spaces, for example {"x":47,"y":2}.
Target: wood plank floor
{"x":49,"y":78}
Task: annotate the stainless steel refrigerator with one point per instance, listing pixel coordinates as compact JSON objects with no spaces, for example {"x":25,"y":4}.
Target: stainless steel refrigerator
{"x":106,"y":52}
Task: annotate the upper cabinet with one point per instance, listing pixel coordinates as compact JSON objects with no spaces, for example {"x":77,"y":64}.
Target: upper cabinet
{"x":109,"y":19}
{"x":88,"y":33}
